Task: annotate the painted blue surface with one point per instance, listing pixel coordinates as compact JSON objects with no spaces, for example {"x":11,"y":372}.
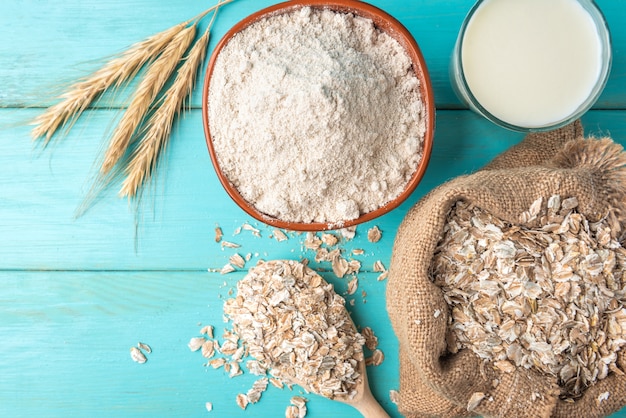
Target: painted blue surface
{"x":77,"y":293}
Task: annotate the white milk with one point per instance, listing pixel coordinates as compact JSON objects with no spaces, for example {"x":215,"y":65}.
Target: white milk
{"x":531,"y":63}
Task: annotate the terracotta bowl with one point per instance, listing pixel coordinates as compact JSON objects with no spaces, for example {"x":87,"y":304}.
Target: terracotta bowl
{"x":382,"y":21}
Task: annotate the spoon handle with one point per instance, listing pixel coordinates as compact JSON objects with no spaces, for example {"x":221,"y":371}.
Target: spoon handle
{"x":369,"y":407}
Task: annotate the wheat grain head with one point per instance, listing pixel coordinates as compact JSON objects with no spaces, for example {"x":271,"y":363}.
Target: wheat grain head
{"x":158,"y":130}
{"x":153,"y":81}
{"x":113,"y":74}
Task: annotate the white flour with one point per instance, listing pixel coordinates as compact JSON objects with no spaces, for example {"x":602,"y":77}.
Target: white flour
{"x":316,"y":116}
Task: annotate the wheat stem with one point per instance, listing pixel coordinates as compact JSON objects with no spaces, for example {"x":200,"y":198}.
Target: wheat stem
{"x":112,"y":75}
{"x":153,"y":81}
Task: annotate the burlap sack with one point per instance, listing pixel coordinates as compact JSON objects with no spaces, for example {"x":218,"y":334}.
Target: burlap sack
{"x":434,"y":383}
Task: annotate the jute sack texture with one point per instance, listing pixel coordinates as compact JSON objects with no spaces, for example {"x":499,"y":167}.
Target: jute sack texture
{"x":434,"y":383}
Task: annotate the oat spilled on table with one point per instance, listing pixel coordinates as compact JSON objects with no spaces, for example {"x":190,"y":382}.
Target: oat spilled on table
{"x":550,"y":298}
{"x":231,"y":353}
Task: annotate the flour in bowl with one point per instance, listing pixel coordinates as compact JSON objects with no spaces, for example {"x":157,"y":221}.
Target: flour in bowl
{"x":316,"y":116}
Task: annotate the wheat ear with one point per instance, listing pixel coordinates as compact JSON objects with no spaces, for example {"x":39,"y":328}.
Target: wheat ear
{"x":153,"y":81}
{"x":145,"y":156}
{"x":112,"y":75}
{"x":157,"y":132}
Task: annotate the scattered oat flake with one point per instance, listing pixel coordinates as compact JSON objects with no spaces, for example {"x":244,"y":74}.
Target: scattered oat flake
{"x":340,"y":266}
{"x":248,"y":227}
{"x":394,"y":396}
{"x":298,"y":401}
{"x":137,"y":355}
{"x":242,"y":400}
{"x":217,"y":363}
{"x":353,"y":285}
{"x":292,"y":411}
{"x":475,"y":400}
{"x":237,"y":261}
{"x":196,"y":343}
{"x":207,"y":330}
{"x":371,"y":340}
{"x":235,"y":369}
{"x":277,"y":383}
{"x":358,"y":251}
{"x":330,"y":239}
{"x":208,"y":349}
{"x":334,"y":254}
{"x":228,"y":268}
{"x":312,"y":241}
{"x":145,"y":347}
{"x":258,"y":387}
{"x":376,"y":358}
{"x":436,"y":313}
{"x":353,"y":266}
{"x":382,"y":276}
{"x":374,"y":234}
{"x":218,"y":234}
{"x":238,"y":354}
{"x":321,"y":255}
{"x":379,"y":267}
{"x":228,"y":244}
{"x":280,"y":235}
{"x":208,"y":406}
{"x":229,"y":347}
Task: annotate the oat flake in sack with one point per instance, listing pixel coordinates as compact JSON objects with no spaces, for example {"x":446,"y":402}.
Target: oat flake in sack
{"x":435,"y":382}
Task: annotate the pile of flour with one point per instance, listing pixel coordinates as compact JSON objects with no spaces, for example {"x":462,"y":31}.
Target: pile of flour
{"x":316,"y":116}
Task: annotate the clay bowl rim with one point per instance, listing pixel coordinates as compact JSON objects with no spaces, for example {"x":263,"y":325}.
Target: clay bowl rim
{"x":386,"y":23}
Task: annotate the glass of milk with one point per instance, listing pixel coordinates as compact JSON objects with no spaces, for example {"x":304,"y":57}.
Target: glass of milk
{"x":531,"y":65}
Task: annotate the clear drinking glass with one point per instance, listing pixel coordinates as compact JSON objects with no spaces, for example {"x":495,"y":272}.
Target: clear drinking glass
{"x":498,"y":72}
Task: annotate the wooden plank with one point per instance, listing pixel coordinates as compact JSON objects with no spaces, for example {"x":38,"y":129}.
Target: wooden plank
{"x":66,"y":339}
{"x":47,"y":43}
{"x":41,"y":190}
{"x":77,"y":293}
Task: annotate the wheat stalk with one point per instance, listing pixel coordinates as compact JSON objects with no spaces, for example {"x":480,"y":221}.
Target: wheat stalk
{"x":112,"y":75}
{"x":145,"y":156}
{"x":158,"y":129}
{"x":155,"y":78}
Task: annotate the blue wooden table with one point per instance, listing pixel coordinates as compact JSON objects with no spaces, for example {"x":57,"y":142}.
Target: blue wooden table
{"x":77,"y":293}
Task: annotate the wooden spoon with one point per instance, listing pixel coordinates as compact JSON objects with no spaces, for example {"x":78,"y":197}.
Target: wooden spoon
{"x":301,"y":283}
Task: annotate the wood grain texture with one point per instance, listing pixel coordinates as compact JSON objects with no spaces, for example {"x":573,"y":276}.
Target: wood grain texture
{"x":77,"y":293}
{"x":41,"y":190}
{"x":66,"y":340}
{"x":50,"y":42}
